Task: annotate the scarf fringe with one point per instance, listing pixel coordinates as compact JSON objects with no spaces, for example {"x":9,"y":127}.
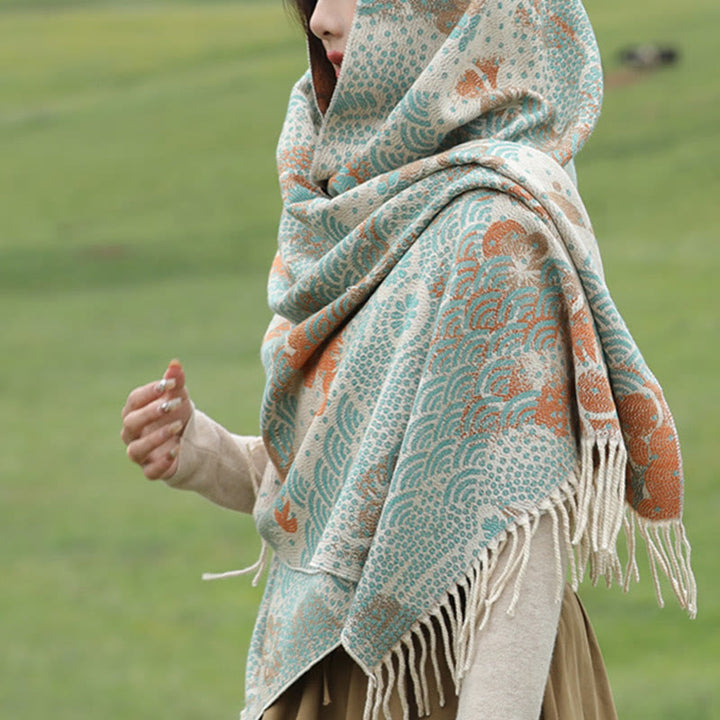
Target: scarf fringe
{"x":668,"y":550}
{"x":587,"y":514}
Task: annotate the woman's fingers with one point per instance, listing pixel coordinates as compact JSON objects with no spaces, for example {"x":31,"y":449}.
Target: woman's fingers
{"x":145,"y":394}
{"x":162,"y":462}
{"x":157,"y":447}
{"x":173,"y":382}
{"x":176,"y":374}
{"x":154,"y":417}
{"x":160,"y":412}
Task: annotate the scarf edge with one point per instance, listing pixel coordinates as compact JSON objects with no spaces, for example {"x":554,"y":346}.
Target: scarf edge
{"x":588,"y":511}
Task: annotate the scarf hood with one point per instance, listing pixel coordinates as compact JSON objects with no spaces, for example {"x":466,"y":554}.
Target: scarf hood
{"x":422,"y":76}
{"x":445,"y":363}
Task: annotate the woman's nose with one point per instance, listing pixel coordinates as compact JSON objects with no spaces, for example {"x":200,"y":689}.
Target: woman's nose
{"x":324,"y":23}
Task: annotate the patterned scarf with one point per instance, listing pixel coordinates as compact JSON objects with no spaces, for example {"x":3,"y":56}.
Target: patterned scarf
{"x":445,"y":364}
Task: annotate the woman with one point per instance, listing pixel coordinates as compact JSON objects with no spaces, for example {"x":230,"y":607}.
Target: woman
{"x":454,"y":410}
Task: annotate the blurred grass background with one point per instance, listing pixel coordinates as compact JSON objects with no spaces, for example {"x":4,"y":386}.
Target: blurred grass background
{"x":138,"y":205}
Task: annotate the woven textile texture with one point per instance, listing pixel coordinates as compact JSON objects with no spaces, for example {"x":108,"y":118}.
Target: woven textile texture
{"x":445,"y":363}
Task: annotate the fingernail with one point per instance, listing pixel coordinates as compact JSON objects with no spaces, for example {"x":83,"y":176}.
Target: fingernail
{"x":172,"y":454}
{"x":170,"y":405}
{"x":165,"y":384}
{"x":174,"y":428}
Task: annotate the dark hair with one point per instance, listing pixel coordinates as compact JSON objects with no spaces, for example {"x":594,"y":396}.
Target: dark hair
{"x":303,"y":10}
{"x":322,"y":71}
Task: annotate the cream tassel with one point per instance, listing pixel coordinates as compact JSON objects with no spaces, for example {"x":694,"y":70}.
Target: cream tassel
{"x":258,"y":567}
{"x":668,"y":548}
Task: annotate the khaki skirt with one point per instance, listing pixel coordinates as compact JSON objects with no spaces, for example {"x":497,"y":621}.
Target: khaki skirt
{"x":577,"y":686}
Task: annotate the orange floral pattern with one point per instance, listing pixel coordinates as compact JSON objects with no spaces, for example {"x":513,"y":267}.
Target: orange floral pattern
{"x":445,"y":362}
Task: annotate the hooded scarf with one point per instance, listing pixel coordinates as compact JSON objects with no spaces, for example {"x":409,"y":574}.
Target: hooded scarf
{"x":445,"y":363}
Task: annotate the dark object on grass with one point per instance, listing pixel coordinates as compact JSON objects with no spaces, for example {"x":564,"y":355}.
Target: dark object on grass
{"x":649,"y":57}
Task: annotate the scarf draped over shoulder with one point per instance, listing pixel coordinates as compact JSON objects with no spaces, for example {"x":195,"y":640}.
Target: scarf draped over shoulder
{"x":445,"y":364}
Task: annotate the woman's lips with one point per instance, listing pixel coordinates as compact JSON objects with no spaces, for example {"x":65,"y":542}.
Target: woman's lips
{"x":335,"y":59}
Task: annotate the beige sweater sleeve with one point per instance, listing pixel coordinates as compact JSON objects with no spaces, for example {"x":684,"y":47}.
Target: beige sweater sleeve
{"x":223,"y":467}
{"x":512,"y":654}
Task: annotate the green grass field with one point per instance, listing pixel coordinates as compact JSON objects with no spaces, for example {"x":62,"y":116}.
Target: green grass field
{"x":138,"y":205}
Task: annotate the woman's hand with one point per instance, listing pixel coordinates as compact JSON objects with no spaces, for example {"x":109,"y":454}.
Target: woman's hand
{"x":154,"y":418}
